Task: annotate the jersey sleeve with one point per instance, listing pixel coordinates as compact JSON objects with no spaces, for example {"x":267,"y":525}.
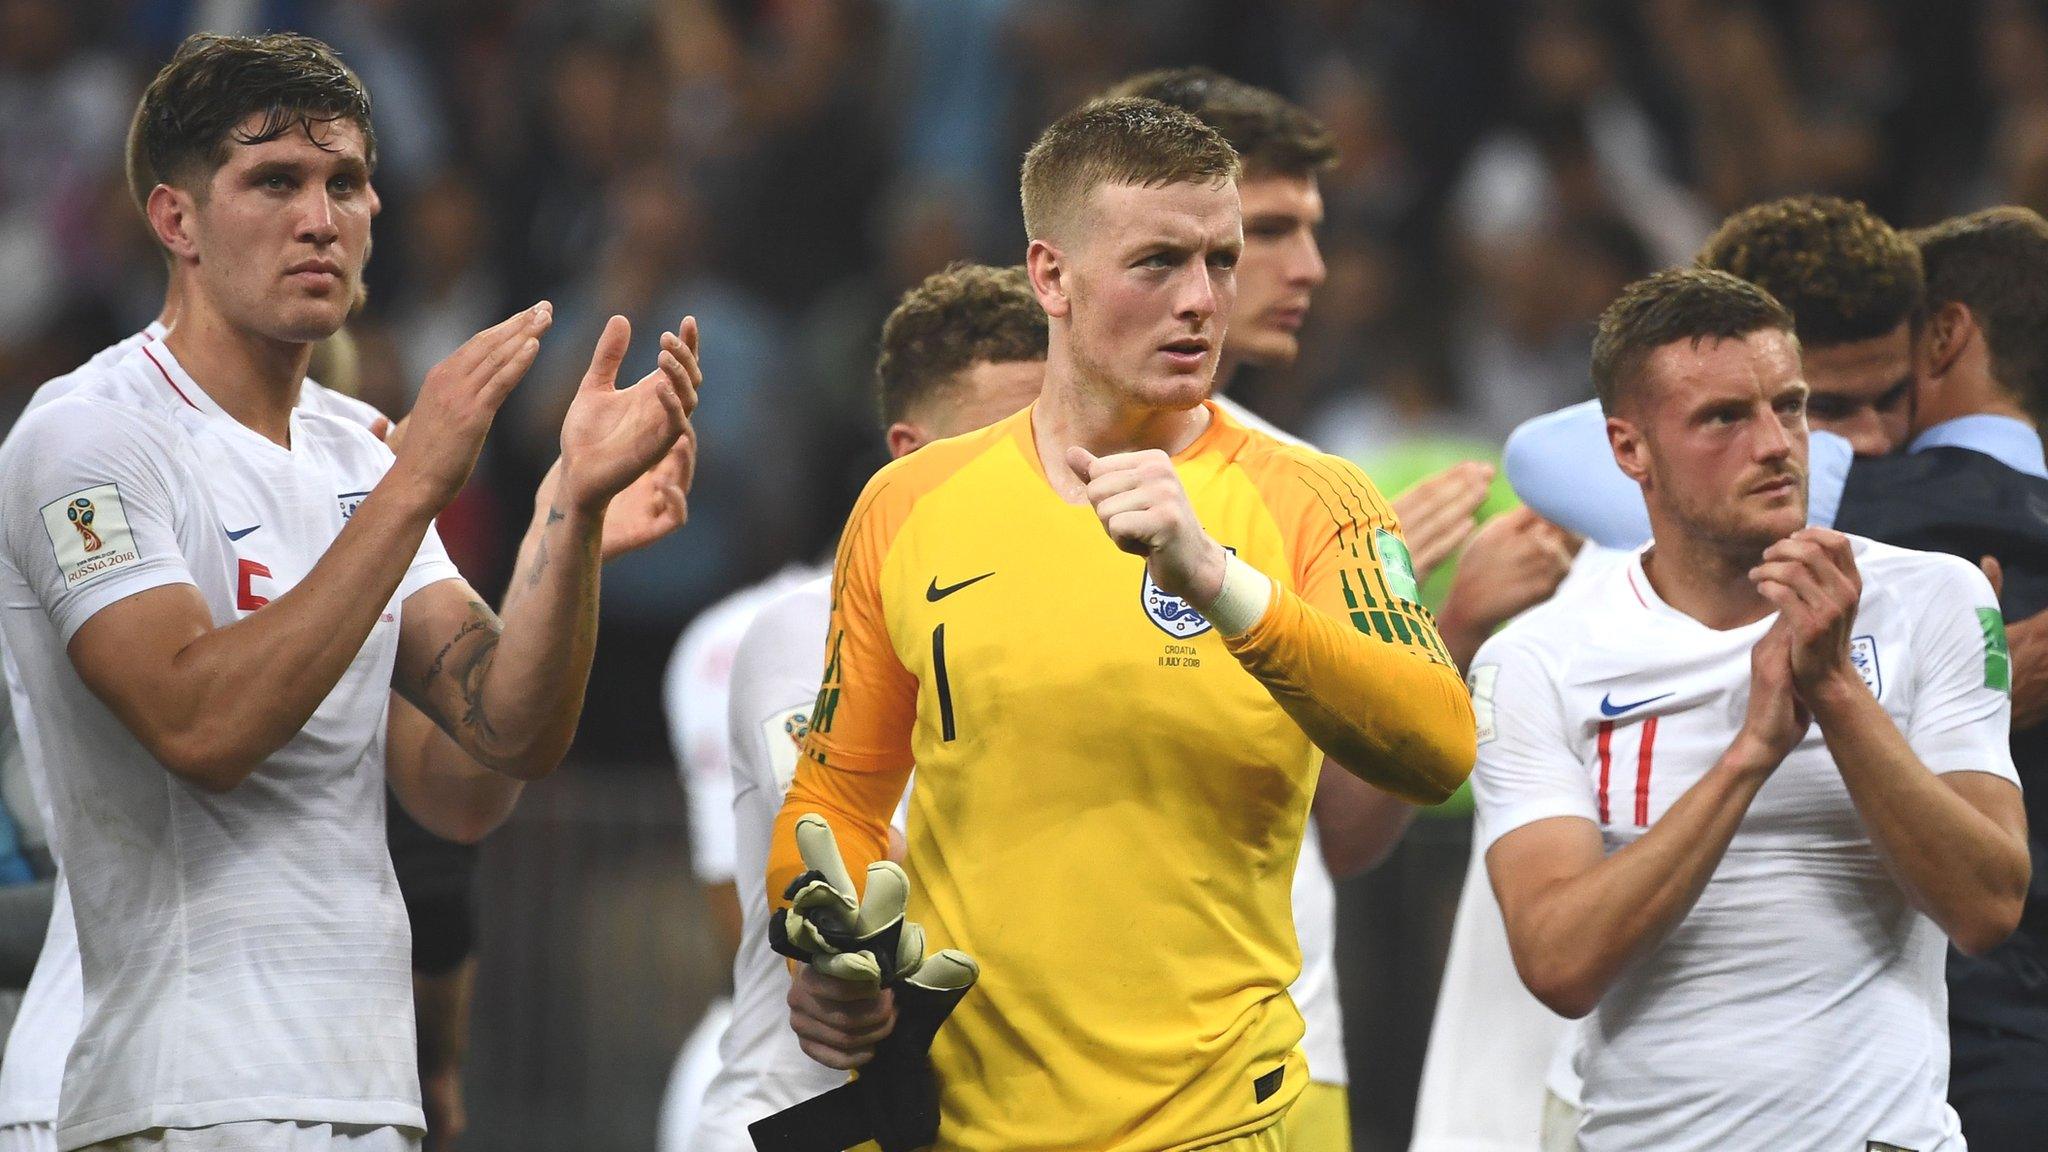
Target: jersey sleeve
{"x":430,"y":565}
{"x":1526,"y":770}
{"x":1962,"y":695}
{"x":694,"y":693}
{"x":774,"y":684}
{"x":1352,"y":656}
{"x":857,"y":754}
{"x":1560,"y":465}
{"x":90,"y":509}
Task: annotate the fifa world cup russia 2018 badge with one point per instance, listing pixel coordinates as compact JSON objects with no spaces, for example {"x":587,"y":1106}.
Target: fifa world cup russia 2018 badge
{"x":79,"y":512}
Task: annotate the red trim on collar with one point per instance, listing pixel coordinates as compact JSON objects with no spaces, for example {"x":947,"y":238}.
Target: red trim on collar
{"x":168,"y":380}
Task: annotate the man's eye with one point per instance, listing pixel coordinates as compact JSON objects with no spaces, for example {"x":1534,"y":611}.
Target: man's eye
{"x":1224,"y":260}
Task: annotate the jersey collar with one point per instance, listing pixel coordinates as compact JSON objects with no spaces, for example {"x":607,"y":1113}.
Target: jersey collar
{"x":2011,"y":442}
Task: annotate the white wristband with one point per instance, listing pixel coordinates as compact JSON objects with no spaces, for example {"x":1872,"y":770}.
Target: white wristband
{"x":1243,"y":601}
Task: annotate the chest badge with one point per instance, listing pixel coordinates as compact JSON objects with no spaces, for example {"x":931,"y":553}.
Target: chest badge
{"x":1173,"y":615}
{"x":1863,"y":655}
{"x":350,"y":501}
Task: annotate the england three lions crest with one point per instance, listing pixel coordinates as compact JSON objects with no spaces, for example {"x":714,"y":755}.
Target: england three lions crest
{"x":1173,"y":615}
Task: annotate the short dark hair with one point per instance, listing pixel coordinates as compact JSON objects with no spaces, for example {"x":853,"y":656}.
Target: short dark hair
{"x":194,"y":109}
{"x":1995,"y":263}
{"x":1122,"y":140}
{"x":1676,"y":304}
{"x":1273,"y":136}
{"x":966,"y":315}
{"x":1845,"y":274}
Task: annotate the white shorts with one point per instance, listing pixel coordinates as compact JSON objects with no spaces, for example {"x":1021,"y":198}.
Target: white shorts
{"x":266,"y":1136}
{"x":28,"y":1138}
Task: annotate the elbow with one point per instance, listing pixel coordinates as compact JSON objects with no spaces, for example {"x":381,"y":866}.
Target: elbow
{"x":207,"y":764}
{"x":1444,"y":765}
{"x":1570,"y":994}
{"x":1990,"y":926}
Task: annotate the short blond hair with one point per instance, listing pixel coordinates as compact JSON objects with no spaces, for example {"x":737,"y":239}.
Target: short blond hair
{"x":1121,"y":140}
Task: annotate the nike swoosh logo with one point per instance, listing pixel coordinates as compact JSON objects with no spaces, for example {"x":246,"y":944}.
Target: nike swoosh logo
{"x":1609,"y":708}
{"x":242,"y":533}
{"x":934,"y":594}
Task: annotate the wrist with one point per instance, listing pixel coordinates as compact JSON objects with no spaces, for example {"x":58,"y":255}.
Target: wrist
{"x":1750,"y":758}
{"x":1242,"y":597}
{"x":1834,"y":693}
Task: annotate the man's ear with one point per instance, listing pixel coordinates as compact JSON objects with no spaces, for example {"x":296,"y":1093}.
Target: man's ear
{"x":172,"y":213}
{"x":1631,"y":452}
{"x":1047,"y":267}
{"x":905,"y":438}
{"x":1949,"y":330}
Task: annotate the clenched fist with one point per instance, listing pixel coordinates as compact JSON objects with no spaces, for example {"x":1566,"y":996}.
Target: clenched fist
{"x":1139,"y":499}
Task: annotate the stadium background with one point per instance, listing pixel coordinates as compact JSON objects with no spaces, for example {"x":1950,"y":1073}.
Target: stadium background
{"x":784,"y":168}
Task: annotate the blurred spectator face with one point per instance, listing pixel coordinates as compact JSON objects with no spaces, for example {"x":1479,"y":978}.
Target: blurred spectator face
{"x":1280,"y":269}
{"x":1148,"y":283}
{"x":282,"y":232}
{"x":1863,"y":391}
{"x":1722,"y":429}
{"x":447,"y":227}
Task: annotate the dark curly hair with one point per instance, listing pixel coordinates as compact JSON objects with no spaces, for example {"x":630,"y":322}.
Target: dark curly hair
{"x":966,"y":315}
{"x":1845,"y":274}
{"x":1272,"y":136}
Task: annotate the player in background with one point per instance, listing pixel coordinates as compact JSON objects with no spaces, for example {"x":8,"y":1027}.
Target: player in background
{"x":33,"y":1065}
{"x":1077,"y":709}
{"x":963,"y":349}
{"x":1742,"y":904}
{"x":265,"y":201}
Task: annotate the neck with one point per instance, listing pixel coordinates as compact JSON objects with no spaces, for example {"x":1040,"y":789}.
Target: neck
{"x":1707,"y":580}
{"x":1074,"y":410}
{"x":1968,"y":394}
{"x":254,"y":379}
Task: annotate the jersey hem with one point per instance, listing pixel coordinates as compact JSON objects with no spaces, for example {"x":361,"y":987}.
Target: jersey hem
{"x":281,"y":1109}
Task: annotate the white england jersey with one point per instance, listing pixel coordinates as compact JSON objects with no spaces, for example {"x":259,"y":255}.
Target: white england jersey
{"x":694,"y":694}
{"x":1800,"y":1003}
{"x":33,"y":1066}
{"x":775,"y":674}
{"x":245,"y":955}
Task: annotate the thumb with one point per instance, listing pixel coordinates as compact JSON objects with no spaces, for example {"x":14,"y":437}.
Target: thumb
{"x":381,"y":427}
{"x":609,"y":354}
{"x":1082,"y":462}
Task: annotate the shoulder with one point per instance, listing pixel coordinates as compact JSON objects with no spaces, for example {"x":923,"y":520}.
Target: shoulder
{"x":87,"y":424}
{"x":894,"y":490}
{"x":1296,"y":480}
{"x":1911,"y":573}
{"x":1546,"y":635}
{"x":792,"y":626}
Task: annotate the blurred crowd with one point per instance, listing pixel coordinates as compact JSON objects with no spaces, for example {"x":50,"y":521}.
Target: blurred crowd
{"x":783,"y":169}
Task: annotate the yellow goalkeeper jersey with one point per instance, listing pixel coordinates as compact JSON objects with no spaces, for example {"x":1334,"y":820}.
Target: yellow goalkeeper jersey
{"x":1108,"y":804}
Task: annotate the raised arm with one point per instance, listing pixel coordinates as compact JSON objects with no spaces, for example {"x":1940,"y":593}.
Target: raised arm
{"x":1576,"y":917}
{"x":211,"y":703}
{"x":510,"y":692}
{"x":439,"y":783}
{"x":1346,"y":638}
{"x":1940,"y":802}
